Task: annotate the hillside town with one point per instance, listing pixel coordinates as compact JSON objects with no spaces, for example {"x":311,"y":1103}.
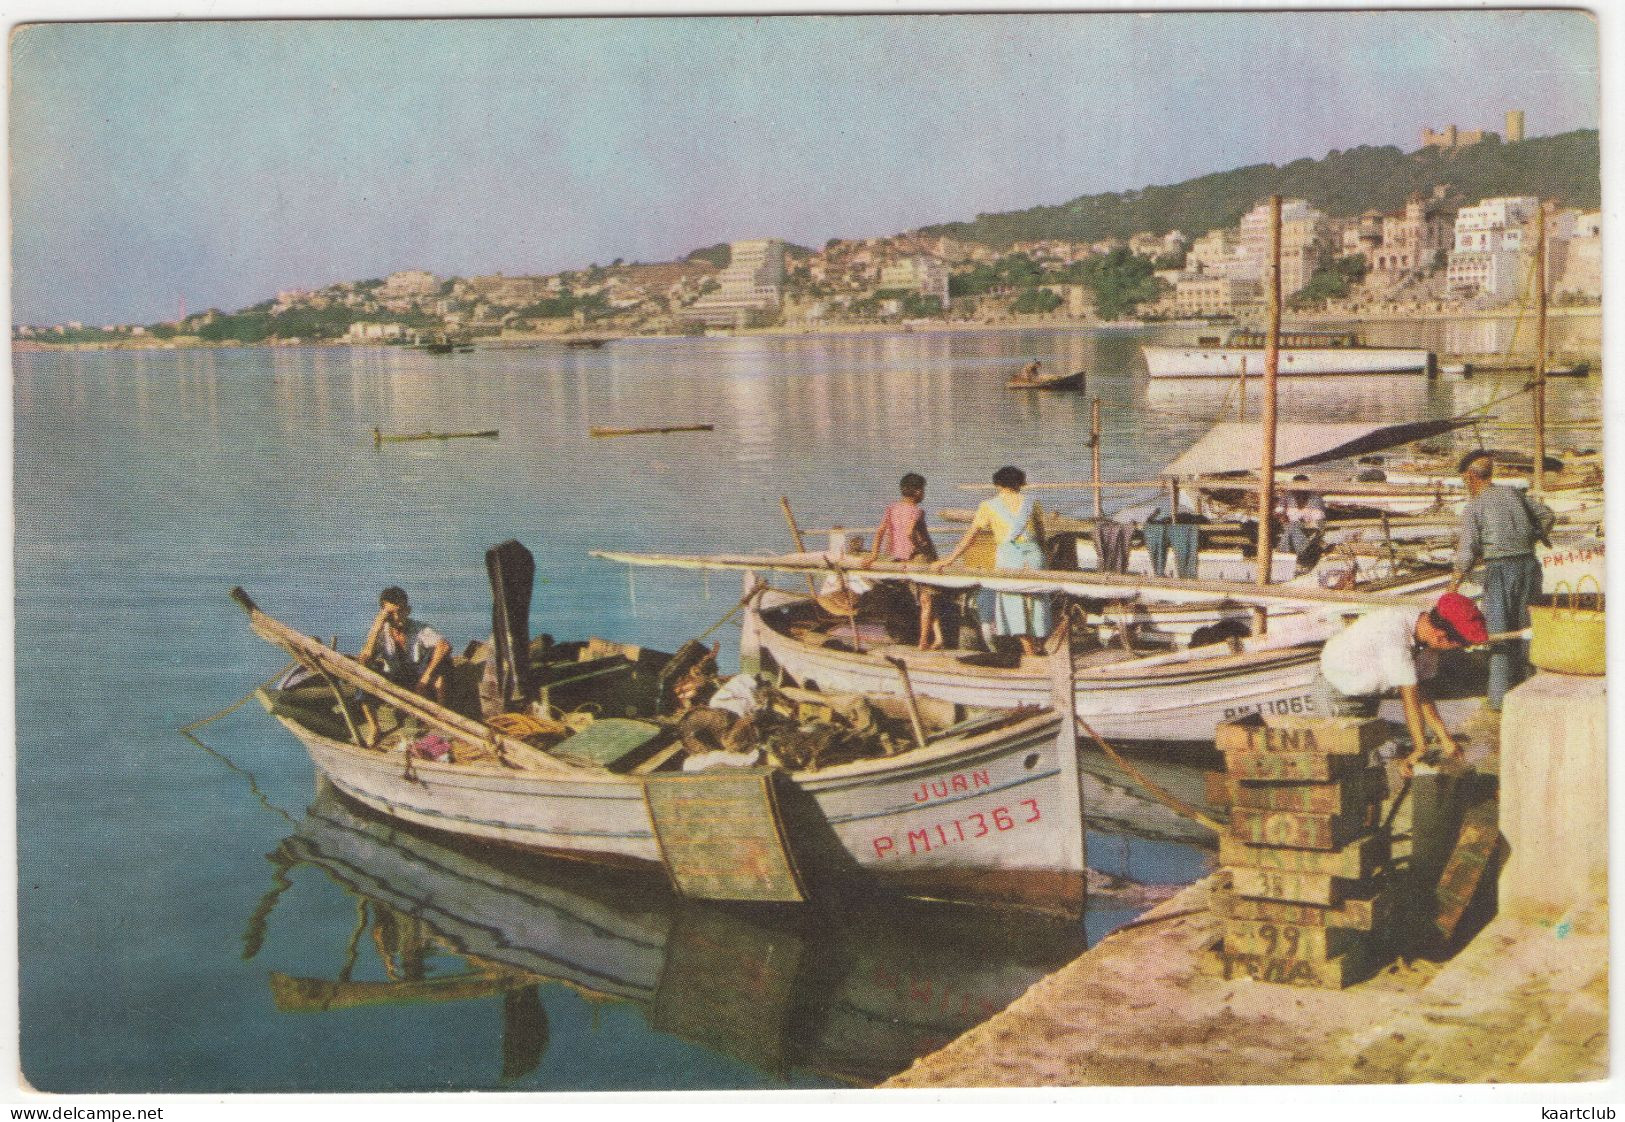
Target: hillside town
{"x":1438,"y":254}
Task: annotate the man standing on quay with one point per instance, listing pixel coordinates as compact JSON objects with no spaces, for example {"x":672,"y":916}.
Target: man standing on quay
{"x":1500,"y":526}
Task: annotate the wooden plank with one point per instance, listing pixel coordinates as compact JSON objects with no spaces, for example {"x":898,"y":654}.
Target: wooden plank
{"x":1293,"y":767}
{"x":1359,"y":913}
{"x":720,"y":835}
{"x":1295,"y":829}
{"x":1274,"y":940}
{"x":1354,"y":861}
{"x":1476,"y":850}
{"x":1349,"y":796}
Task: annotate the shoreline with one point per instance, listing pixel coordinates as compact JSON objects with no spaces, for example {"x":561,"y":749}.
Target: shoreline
{"x":927,"y":327}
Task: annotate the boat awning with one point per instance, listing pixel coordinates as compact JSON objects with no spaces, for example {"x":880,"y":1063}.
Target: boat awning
{"x":1234,"y":445}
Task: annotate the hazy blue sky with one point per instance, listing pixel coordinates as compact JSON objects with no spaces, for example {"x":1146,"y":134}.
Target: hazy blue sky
{"x":223,"y":162}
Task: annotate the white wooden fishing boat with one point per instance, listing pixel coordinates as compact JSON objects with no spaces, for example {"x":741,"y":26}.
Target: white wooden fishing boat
{"x":1302,"y":353}
{"x":1179,"y":696}
{"x":1123,"y":695}
{"x":985,"y":812}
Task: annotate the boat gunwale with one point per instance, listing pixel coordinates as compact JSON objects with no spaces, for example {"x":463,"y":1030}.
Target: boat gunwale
{"x":1123,"y":674}
{"x":1033,"y":726}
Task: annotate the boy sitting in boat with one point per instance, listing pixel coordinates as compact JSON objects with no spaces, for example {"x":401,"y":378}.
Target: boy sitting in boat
{"x":903,"y":533}
{"x":408,"y":652}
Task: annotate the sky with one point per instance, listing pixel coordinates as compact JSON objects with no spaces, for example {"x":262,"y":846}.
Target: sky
{"x":219,"y":163}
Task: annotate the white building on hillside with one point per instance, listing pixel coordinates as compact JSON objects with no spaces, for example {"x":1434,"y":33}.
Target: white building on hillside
{"x":1488,"y":255}
{"x":752,"y":282}
{"x":925,"y":275}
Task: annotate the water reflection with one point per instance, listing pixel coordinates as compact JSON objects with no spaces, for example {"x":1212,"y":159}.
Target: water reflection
{"x":852,"y":997}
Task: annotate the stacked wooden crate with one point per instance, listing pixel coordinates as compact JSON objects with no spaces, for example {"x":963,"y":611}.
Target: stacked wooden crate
{"x":1305,"y":856}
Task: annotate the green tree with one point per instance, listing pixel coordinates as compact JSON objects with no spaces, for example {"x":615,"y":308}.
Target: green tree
{"x":1035,"y":301}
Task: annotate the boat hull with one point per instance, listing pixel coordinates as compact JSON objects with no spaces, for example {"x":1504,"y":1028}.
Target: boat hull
{"x":1227,"y":362}
{"x":992,"y":818}
{"x":1180,"y":704}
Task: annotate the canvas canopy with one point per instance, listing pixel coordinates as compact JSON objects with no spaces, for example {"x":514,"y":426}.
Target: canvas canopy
{"x":1232,"y":446}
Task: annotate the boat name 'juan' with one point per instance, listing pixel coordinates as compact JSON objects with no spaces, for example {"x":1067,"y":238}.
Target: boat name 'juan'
{"x":941,"y":788}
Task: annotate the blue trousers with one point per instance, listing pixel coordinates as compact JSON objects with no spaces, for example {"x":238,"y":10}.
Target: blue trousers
{"x":1509,"y":584}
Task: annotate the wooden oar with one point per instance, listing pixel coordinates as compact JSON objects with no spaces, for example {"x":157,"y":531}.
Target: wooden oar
{"x":913,"y":703}
{"x":795,"y":536}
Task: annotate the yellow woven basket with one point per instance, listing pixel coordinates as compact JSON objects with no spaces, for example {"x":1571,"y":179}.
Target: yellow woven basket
{"x":1568,"y":638}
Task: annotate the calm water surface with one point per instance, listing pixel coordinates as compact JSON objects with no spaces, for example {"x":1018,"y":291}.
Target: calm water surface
{"x":194,"y":918}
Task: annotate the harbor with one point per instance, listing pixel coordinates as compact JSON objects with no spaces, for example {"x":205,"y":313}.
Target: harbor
{"x":1139,"y":850}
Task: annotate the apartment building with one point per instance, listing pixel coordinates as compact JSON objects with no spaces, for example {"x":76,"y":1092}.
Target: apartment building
{"x":919,"y":273}
{"x":1210,"y":294}
{"x":1488,"y":249}
{"x":753,"y":282}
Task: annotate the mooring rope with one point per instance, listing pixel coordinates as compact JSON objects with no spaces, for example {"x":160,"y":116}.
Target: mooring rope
{"x":241,"y":701}
{"x":1171,"y":802}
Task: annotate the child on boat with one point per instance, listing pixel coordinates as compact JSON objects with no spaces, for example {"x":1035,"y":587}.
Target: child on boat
{"x":903,"y":532}
{"x":1017,"y":527}
{"x":408,"y":652}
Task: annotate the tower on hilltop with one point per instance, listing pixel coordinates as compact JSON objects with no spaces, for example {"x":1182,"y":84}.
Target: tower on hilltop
{"x":1514,"y":125}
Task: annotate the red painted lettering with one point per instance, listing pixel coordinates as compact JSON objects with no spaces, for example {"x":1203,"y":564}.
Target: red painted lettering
{"x":921,"y":795}
{"x":981,"y":825}
{"x":941,"y":834}
{"x":960,"y":783}
{"x":980,"y":779}
{"x":960,"y":828}
{"x":1001,"y":818}
{"x":1033,"y":803}
{"x":883,"y":845}
{"x":939,"y":789}
{"x":924,"y":837}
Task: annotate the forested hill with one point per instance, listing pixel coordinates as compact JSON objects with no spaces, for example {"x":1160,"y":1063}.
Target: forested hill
{"x":1566,"y":167}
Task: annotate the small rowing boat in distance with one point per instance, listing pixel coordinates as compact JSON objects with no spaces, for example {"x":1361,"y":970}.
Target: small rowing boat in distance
{"x":1073,"y":381}
{"x":379,"y":438}
{"x":640,"y":430}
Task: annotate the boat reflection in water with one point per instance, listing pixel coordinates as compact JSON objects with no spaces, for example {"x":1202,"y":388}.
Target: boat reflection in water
{"x":849,"y":996}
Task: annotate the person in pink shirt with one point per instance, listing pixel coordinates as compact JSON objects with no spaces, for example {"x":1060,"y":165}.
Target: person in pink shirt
{"x":903,"y":535}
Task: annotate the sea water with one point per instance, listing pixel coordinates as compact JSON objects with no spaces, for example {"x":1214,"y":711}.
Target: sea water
{"x":176,"y":934}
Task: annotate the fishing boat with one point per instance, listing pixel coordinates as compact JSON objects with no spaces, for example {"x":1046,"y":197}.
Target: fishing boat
{"x":1319,"y":353}
{"x":856,"y":996}
{"x":980,"y":808}
{"x":1074,"y":381}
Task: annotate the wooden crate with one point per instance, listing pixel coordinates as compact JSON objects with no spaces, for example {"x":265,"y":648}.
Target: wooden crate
{"x":1293,"y":830}
{"x":1279,"y":884}
{"x":1333,"y":736}
{"x":1352,"y":794}
{"x":1478,"y":848}
{"x":1360,"y":913}
{"x":1333,"y":973}
{"x":1288,"y":940}
{"x":1353,"y":861}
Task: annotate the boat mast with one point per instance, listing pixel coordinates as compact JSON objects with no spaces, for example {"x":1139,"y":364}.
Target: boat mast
{"x":1272,"y":356}
{"x":1540,"y":348}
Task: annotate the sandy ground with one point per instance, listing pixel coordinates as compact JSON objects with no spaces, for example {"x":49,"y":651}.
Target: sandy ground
{"x":1524,"y":1002}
